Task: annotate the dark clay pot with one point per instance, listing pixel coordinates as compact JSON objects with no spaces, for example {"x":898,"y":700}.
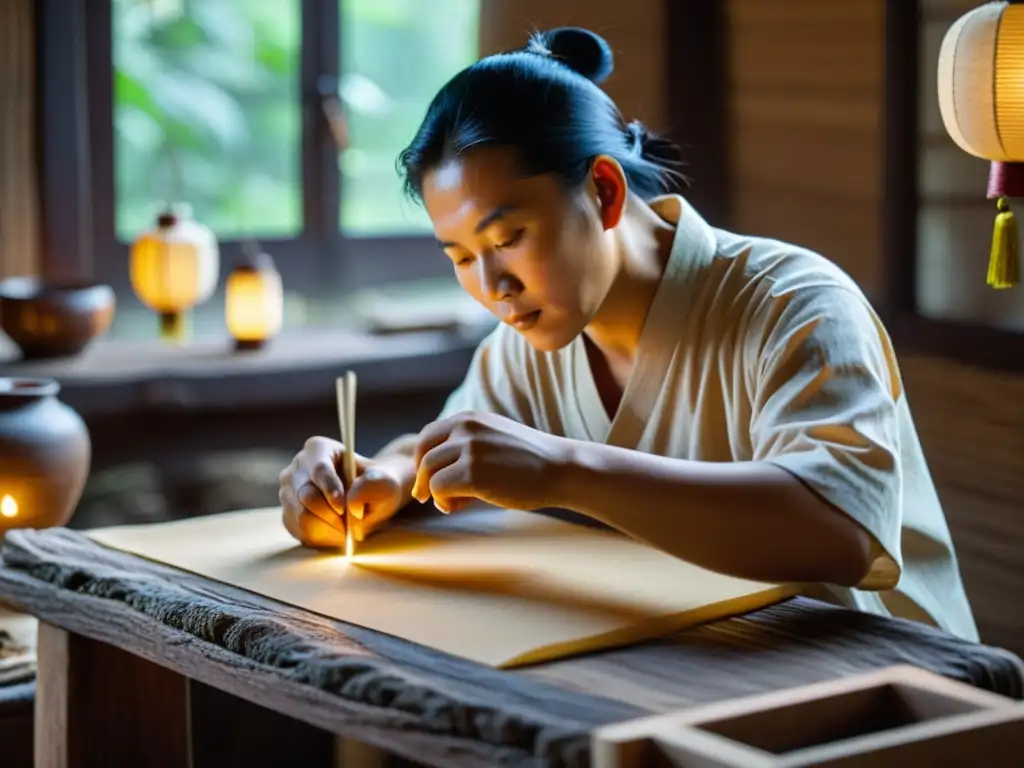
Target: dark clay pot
{"x":45,"y":453}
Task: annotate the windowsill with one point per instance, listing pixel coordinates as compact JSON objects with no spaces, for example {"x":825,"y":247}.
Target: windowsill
{"x":130,"y":368}
{"x":404,"y":304}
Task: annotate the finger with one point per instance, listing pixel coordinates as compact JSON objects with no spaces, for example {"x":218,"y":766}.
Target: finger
{"x":431,"y":436}
{"x":290,"y":518}
{"x":285,"y":477}
{"x":374,"y":516}
{"x":325,"y":476}
{"x":290,"y":503}
{"x":308,"y":528}
{"x":314,"y":532}
{"x":371,"y":520}
{"x":372,"y":487}
{"x":450,"y":487}
{"x":312,"y":500}
{"x":458,"y":503}
{"x":433,"y":461}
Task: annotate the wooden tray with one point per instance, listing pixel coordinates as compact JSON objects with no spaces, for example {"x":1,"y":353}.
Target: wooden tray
{"x":894,"y":718}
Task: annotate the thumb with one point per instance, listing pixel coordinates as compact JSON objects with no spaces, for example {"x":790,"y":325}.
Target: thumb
{"x":453,"y":504}
{"x":373,"y":487}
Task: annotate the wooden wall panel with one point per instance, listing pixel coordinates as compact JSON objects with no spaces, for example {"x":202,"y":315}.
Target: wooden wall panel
{"x":823,"y":222}
{"x":971,"y":424}
{"x":19,"y":236}
{"x":805,"y":94}
{"x":635,"y":33}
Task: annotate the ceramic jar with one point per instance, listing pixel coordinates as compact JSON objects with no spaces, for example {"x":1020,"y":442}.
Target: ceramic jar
{"x":45,"y":453}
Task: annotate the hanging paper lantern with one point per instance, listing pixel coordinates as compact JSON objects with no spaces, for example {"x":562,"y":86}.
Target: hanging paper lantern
{"x":981,"y":99}
{"x":175,"y":267}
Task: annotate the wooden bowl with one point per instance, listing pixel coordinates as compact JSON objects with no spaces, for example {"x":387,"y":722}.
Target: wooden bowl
{"x":54,"y":319}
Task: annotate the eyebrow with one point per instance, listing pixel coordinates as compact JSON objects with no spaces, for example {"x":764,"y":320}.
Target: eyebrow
{"x":495,"y":215}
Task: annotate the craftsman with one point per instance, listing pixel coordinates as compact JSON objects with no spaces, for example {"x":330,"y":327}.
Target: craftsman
{"x":731,"y":400}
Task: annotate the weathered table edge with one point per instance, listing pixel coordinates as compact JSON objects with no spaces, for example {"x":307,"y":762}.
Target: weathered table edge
{"x":367,"y":698}
{"x":374,"y":692}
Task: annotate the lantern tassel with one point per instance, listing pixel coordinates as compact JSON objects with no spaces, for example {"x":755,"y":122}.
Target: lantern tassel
{"x":1004,"y":261}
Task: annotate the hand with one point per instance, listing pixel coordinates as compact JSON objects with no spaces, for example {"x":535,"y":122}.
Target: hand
{"x":313,"y":496}
{"x":490,"y":458}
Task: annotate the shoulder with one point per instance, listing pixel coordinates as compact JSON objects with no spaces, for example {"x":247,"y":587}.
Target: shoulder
{"x":785,"y":269}
{"x":780,"y":280}
{"x":800,"y":301}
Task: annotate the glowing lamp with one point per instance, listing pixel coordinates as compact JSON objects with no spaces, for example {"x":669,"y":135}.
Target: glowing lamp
{"x":8,"y":507}
{"x":254,"y":302}
{"x":981,"y":99}
{"x":174,"y":267}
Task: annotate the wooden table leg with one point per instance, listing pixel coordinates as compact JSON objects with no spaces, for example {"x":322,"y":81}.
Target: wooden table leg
{"x":98,"y":705}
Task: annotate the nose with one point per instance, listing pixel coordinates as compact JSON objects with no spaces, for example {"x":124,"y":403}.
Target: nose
{"x":497,"y":283}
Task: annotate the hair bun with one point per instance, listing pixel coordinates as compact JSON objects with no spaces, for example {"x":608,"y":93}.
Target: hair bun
{"x":579,"y":49}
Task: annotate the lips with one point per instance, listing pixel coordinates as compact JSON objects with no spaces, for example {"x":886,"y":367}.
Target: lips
{"x":523,"y":321}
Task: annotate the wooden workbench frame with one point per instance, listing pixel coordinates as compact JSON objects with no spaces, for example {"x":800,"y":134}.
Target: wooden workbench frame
{"x":140,"y":621}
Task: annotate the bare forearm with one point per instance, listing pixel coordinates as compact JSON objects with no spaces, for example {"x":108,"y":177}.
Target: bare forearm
{"x":750,"y":519}
{"x":397,"y":457}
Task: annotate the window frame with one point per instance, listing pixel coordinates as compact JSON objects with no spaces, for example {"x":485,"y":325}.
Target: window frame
{"x":971,"y":343}
{"x":77,"y":167}
{"x":75,"y":155}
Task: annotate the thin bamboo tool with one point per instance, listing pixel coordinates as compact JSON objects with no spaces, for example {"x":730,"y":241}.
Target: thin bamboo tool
{"x":345,"y":387}
{"x":349,"y":753}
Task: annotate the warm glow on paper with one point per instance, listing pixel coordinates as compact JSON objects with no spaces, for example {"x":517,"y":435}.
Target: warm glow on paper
{"x":501,"y":588}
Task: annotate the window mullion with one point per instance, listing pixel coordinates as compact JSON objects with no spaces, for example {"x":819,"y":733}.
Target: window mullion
{"x":320,"y":179}
{"x":66,"y":237}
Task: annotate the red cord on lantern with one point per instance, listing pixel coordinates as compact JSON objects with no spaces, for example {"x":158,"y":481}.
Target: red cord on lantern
{"x":1005,"y":180}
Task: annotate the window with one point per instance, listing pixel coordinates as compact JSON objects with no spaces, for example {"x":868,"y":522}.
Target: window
{"x":207,"y":110}
{"x":219,"y":104}
{"x":385,"y":96}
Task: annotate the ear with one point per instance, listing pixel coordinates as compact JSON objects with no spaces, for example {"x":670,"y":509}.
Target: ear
{"x":611,"y":187}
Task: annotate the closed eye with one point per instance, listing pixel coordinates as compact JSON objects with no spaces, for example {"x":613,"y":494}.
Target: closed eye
{"x":512,"y":241}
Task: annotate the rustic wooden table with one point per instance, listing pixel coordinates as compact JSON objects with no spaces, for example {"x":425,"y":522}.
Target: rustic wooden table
{"x":140,"y":664}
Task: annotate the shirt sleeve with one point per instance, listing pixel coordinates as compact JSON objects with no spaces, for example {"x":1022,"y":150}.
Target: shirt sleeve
{"x":825,"y":394}
{"x":492,"y":384}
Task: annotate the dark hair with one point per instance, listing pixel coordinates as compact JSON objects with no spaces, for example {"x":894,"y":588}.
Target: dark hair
{"x":543,"y":101}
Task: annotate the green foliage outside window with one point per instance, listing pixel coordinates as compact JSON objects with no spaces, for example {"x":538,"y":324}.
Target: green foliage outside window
{"x":207,"y":108}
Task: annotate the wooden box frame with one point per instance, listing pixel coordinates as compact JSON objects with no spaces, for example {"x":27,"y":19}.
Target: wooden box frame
{"x":893,"y":718}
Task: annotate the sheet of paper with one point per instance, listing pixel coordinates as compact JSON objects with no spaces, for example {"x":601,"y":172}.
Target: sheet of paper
{"x":502,"y":588}
{"x":17,"y":646}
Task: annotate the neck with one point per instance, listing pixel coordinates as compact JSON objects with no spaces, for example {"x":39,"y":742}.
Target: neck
{"x":642,"y":243}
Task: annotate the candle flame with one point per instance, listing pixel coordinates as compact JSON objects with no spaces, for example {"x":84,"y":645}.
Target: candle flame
{"x":8,"y":506}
